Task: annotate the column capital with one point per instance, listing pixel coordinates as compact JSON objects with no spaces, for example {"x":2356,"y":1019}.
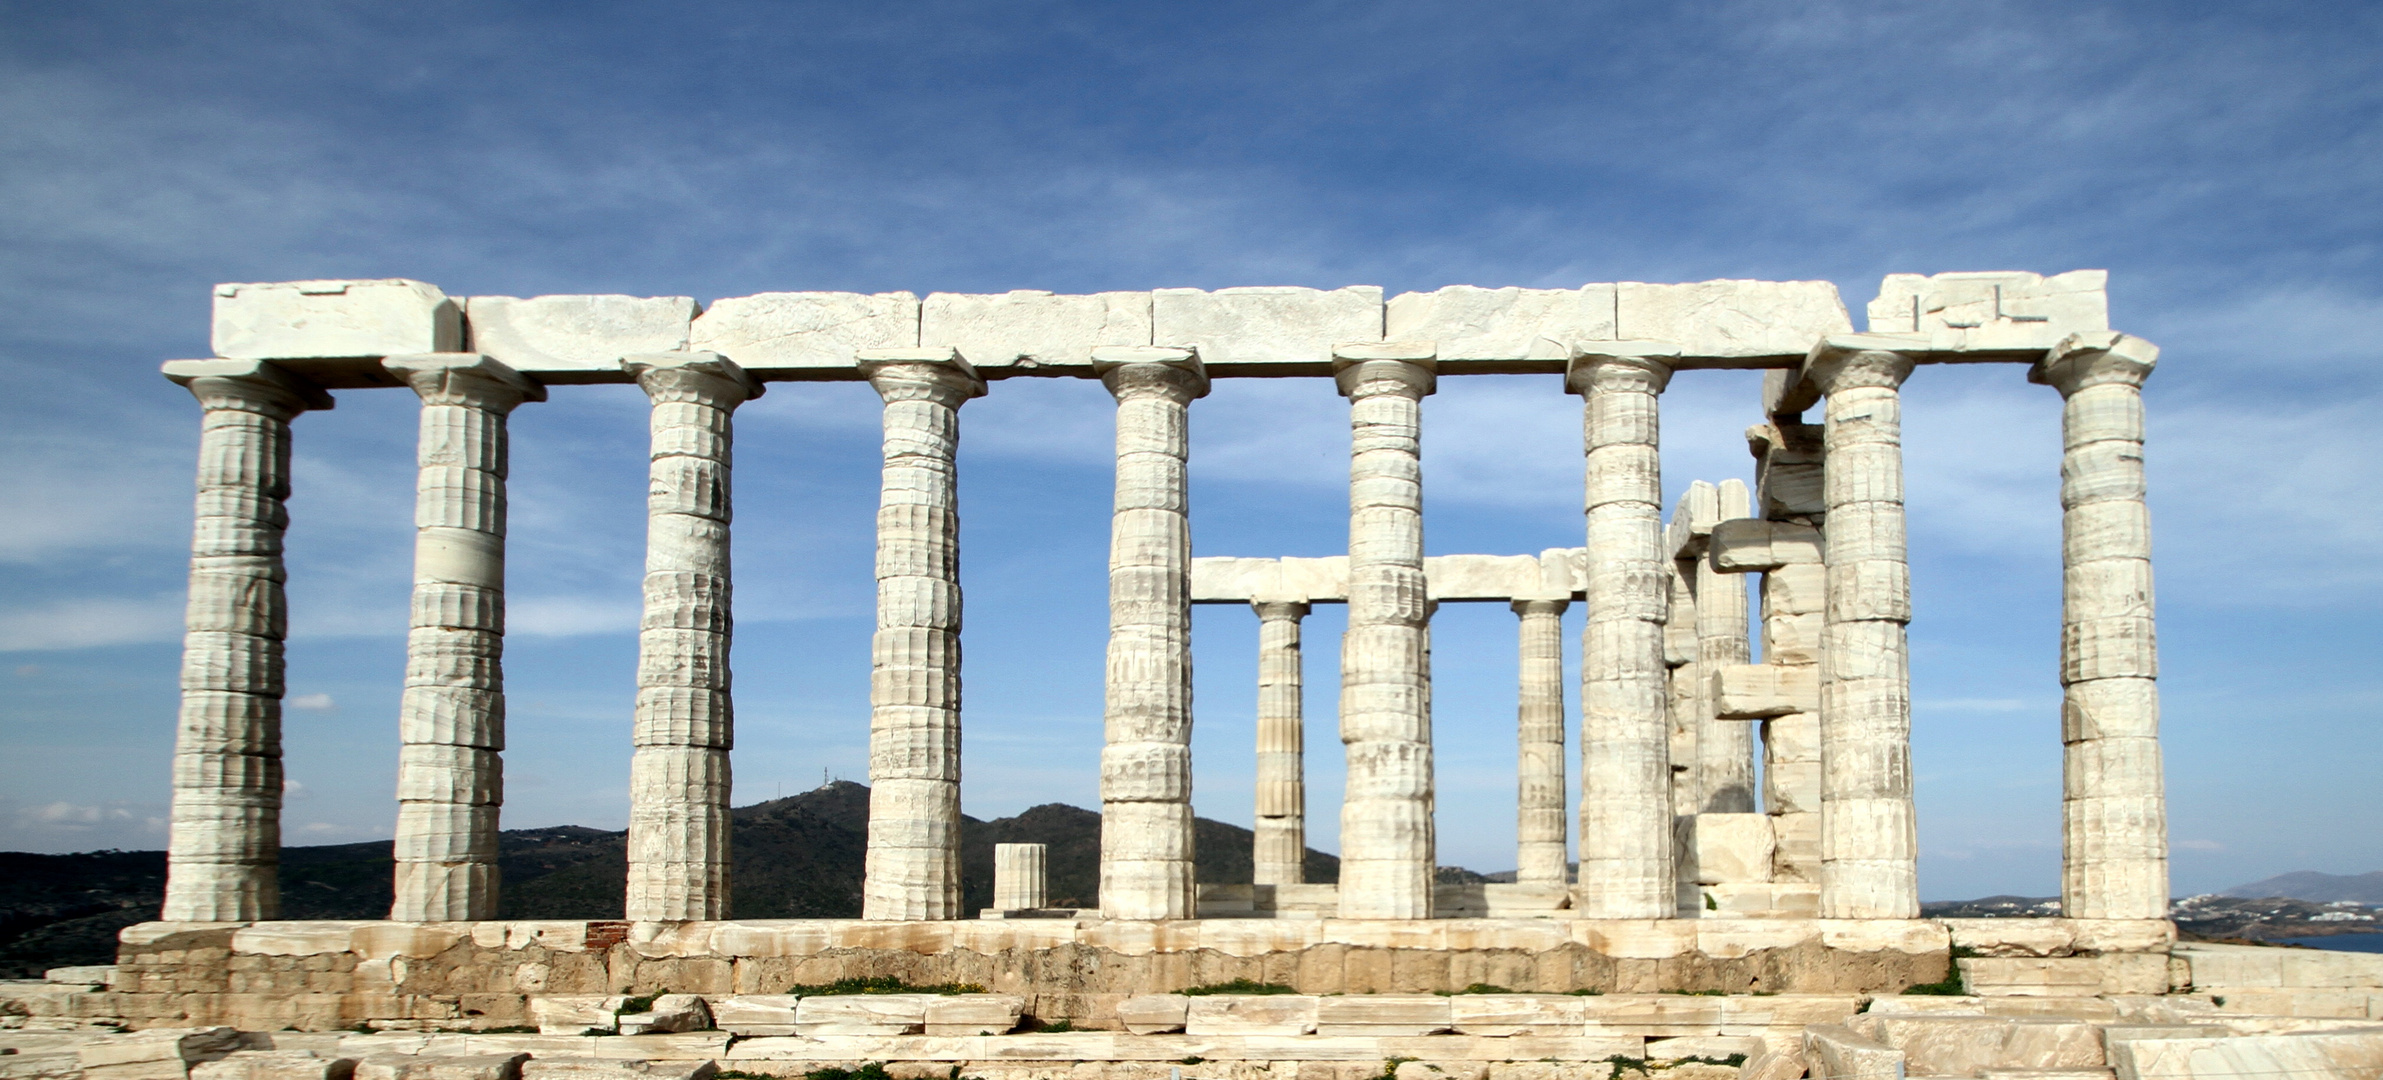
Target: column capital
{"x":705,"y":377}
{"x":1136,"y":371}
{"x":1279,"y":609}
{"x":1846,"y":361}
{"x":910,"y":374}
{"x":248,"y":386}
{"x":2095,"y":358}
{"x":1369,"y":369}
{"x":1532,"y":606}
{"x":1620,"y":365}
{"x":481,"y":382}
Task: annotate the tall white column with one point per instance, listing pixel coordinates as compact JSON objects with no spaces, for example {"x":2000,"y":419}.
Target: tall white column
{"x":1145,"y":777}
{"x":2114,"y":830}
{"x":224,"y":846}
{"x":1280,"y":848}
{"x":913,"y":861}
{"x":679,"y":778}
{"x":1682,"y":685}
{"x":1625,"y":812}
{"x":1386,"y":828}
{"x":451,"y":720}
{"x":1869,"y":837}
{"x":1724,"y":748}
{"x":1539,"y":745}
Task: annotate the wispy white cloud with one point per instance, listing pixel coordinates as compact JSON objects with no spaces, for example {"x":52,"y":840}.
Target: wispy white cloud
{"x":93,"y":622}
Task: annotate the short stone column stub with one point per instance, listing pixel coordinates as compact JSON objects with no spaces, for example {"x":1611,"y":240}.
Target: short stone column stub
{"x":2114,"y":809}
{"x":451,"y":718}
{"x":1386,"y":830}
{"x":1146,"y":815}
{"x":913,"y":855}
{"x":1625,"y":813}
{"x":1540,"y":828}
{"x":1021,"y":877}
{"x":1724,"y":748}
{"x":679,"y":776}
{"x":1869,"y":834}
{"x":224,"y":841}
{"x":1279,"y":851}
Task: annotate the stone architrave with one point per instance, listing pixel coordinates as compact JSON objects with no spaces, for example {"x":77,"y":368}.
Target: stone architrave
{"x":1539,"y":745}
{"x":1145,"y":779}
{"x":1869,"y":836}
{"x":2113,"y":808}
{"x":679,"y":778}
{"x":1280,"y":848}
{"x":1625,"y":812}
{"x":1386,"y":828}
{"x":224,"y":844}
{"x":451,"y":719}
{"x":913,"y":861}
{"x":1724,"y":748}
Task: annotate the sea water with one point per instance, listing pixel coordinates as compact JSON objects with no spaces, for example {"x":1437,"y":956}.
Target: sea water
{"x":2342,"y":942}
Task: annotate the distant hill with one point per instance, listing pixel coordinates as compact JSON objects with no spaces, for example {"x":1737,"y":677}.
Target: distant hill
{"x":2315,"y":888}
{"x":796,"y":857}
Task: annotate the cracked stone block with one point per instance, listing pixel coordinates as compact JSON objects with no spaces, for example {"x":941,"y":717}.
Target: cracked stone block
{"x":327,"y":320}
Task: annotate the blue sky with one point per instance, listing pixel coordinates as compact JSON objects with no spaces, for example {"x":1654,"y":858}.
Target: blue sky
{"x":2223,"y":161}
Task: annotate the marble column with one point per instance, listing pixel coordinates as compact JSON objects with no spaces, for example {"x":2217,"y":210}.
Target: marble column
{"x":1868,"y":835}
{"x":2114,"y":831}
{"x":1386,"y":828}
{"x":913,"y":859}
{"x":1539,"y":745}
{"x":1021,"y":877}
{"x":1625,"y":813}
{"x":1145,"y":776}
{"x":1724,"y":748}
{"x":224,"y":844}
{"x":679,"y":777}
{"x":451,"y":719}
{"x":1280,"y":848}
{"x":1682,"y":693}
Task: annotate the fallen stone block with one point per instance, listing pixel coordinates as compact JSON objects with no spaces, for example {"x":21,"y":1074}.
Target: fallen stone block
{"x":156,"y":1054}
{"x":1774,"y":1064}
{"x":577,"y":1014}
{"x":1965,"y":1045}
{"x":756,"y":1014}
{"x":2312,"y":1056}
{"x":275,"y":1065}
{"x":1153,"y":1014}
{"x":1251,"y":1014}
{"x":89,"y":975}
{"x":1505,"y":1015}
{"x":441,"y":1067}
{"x":974,"y":1014}
{"x":1382,"y":1014}
{"x":597,"y":1069}
{"x":671,"y":1013}
{"x":1834,"y":1051}
{"x":862,"y":1014}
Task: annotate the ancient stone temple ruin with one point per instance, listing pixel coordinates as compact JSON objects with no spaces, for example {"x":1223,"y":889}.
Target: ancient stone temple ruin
{"x":1746,"y":897}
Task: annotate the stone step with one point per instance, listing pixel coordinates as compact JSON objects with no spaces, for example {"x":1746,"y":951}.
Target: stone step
{"x":1117,"y":1046}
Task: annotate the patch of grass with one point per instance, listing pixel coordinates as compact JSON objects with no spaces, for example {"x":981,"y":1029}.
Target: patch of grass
{"x":1733,"y":1061}
{"x":1621,"y":1062}
{"x":870,"y":1070}
{"x":1711,"y":904}
{"x":1195,"y":1059}
{"x":638,"y":1004}
{"x":1237,"y":986}
{"x":1390,"y":1067}
{"x":1476,"y":988}
{"x":1586,"y":991}
{"x":1950,"y":985}
{"x":512,"y":1029}
{"x":1699,"y":993}
{"x":880,"y":984}
{"x":740,"y":1074}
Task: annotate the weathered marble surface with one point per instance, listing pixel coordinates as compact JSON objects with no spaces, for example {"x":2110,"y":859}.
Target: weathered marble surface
{"x":1540,"y":719}
{"x":1279,"y":844}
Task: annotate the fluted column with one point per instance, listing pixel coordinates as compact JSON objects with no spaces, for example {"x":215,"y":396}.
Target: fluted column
{"x":1280,"y":848}
{"x":451,"y":719}
{"x":1724,"y":748}
{"x":1145,"y":776}
{"x":1625,"y":811}
{"x":1386,"y":829}
{"x":2114,"y":834}
{"x":1868,"y":835}
{"x":1539,"y":745}
{"x":913,"y":860}
{"x":679,"y":778}
{"x":1021,"y":877}
{"x":224,"y":845}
